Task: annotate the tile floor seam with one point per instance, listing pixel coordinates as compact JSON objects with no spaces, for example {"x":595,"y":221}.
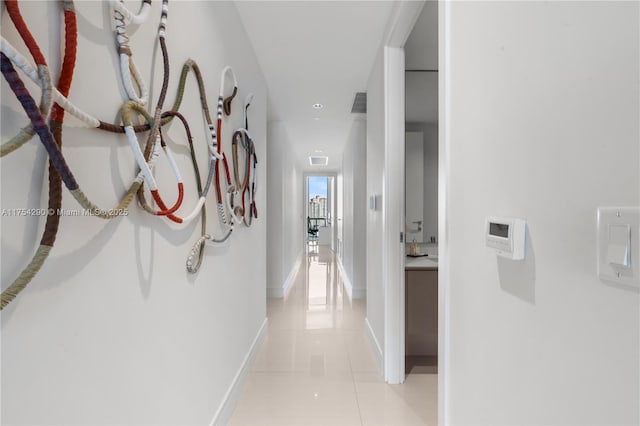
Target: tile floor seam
{"x":355,"y":388}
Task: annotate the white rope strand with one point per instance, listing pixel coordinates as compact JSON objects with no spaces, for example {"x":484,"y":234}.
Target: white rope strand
{"x":129,"y":16}
{"x":128,"y":69}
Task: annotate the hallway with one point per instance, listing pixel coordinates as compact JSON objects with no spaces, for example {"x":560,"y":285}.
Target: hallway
{"x":315,"y":365}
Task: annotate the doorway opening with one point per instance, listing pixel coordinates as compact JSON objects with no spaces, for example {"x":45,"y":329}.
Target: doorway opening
{"x":421,"y":194}
{"x":320,"y":206}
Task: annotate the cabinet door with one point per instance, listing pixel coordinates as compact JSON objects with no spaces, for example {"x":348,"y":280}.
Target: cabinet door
{"x":422,"y":313}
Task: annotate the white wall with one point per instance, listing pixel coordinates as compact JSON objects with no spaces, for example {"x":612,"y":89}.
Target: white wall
{"x":544,"y":125}
{"x":354,"y":216}
{"x":113,"y":330}
{"x":375,"y":178}
{"x":285,"y":231}
{"x":276,"y":274}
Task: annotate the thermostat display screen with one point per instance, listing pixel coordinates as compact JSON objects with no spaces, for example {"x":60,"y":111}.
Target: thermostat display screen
{"x":499,"y":229}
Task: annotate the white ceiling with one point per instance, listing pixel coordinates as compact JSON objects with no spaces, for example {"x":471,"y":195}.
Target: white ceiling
{"x":315,"y":52}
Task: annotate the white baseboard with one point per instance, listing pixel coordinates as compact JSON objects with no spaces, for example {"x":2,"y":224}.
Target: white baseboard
{"x":359,"y":293}
{"x":348,"y":286}
{"x":375,"y":346}
{"x":280,"y":292}
{"x":225,"y":410}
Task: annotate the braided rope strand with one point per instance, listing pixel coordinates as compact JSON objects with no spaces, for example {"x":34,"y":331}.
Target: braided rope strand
{"x":128,"y":69}
{"x":130,"y":17}
{"x":25,"y":276}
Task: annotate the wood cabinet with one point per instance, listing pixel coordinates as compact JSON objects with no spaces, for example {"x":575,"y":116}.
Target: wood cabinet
{"x":421,"y":312}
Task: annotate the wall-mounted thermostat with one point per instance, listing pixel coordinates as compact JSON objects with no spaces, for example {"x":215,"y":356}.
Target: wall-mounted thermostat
{"x":506,"y":236}
{"x":618,"y":245}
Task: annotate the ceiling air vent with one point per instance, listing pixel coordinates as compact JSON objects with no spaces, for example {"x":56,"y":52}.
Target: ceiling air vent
{"x":318,"y":160}
{"x":359,"y":103}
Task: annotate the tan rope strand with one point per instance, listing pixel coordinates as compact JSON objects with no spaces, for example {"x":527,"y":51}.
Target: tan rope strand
{"x":82,"y":199}
{"x":24,"y":135}
{"x":26,"y":276}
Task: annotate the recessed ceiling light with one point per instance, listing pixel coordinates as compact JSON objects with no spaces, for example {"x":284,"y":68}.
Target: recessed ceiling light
{"x":316,"y":118}
{"x":318,"y":150}
{"x":318,"y":106}
{"x":318,"y":160}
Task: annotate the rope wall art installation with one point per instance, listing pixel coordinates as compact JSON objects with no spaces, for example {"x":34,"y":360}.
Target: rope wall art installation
{"x":235,"y":199}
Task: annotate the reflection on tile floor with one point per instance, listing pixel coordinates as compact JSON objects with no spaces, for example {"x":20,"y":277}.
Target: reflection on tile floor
{"x":315,"y":366}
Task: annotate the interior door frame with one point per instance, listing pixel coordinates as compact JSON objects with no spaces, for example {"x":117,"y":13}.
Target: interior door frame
{"x":401,"y":25}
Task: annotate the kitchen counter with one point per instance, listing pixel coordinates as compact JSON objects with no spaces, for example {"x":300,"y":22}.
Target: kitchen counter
{"x":420,"y":263}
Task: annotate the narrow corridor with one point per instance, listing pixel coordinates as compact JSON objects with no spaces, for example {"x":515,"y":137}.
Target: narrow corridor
{"x":315,"y":366}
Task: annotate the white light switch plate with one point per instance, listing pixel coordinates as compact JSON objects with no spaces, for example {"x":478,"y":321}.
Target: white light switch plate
{"x":618,"y":251}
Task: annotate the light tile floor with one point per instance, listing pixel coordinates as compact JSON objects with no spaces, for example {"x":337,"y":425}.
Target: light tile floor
{"x":315,"y":366}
